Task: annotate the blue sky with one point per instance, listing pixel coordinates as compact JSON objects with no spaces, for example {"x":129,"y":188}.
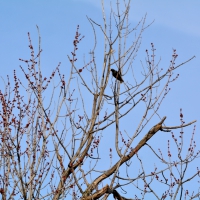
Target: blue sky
{"x":176,"y":26}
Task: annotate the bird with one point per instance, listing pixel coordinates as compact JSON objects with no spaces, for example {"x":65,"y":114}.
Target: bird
{"x":117,"y":75}
{"x":116,"y":195}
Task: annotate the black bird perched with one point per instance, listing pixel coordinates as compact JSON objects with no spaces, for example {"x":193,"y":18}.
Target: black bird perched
{"x":117,"y":75}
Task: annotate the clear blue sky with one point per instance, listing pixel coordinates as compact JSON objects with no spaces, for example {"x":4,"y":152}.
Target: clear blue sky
{"x":176,"y":26}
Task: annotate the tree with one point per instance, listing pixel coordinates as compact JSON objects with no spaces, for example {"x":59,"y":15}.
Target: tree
{"x":52,"y":129}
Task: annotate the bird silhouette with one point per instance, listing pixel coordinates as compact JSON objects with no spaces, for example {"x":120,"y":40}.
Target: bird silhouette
{"x":117,"y":75}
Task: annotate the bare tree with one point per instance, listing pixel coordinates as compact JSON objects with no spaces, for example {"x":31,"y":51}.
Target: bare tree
{"x":52,"y":128}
